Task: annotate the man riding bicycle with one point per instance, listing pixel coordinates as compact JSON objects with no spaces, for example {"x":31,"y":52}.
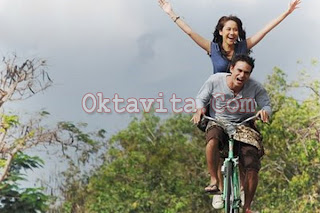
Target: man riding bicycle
{"x":233,"y":97}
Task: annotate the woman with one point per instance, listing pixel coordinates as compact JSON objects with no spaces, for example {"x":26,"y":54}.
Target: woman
{"x":229,"y":37}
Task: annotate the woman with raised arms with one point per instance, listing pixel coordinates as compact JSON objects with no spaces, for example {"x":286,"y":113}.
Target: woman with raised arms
{"x":229,"y":38}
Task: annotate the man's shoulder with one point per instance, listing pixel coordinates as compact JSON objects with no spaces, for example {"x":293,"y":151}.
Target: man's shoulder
{"x":254,"y":83}
{"x":254,"y":86}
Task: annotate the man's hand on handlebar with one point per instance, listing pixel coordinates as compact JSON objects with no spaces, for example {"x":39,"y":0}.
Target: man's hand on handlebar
{"x":263,"y":115}
{"x":197,"y":116}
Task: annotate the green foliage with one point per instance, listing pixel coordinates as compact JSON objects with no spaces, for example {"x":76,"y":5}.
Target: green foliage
{"x":24,"y":161}
{"x":289,"y":179}
{"x":277,"y":88}
{"x":79,"y":135}
{"x":20,"y":81}
{"x":13,"y":198}
{"x":8,"y":121}
{"x":87,"y":146}
{"x":44,"y":113}
{"x":151,"y":166}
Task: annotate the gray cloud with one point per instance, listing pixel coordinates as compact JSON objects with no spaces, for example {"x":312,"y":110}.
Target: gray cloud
{"x":146,"y":45}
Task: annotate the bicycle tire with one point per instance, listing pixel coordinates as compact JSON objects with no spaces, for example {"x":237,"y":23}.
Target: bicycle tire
{"x":229,"y":168}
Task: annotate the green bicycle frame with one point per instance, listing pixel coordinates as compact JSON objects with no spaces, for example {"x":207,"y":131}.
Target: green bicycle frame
{"x":232,"y":179}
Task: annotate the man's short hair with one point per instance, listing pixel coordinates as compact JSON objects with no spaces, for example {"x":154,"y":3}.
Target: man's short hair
{"x":242,"y":57}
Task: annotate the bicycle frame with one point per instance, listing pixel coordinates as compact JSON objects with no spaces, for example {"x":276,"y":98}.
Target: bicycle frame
{"x":230,"y":168}
{"x":231,"y":181}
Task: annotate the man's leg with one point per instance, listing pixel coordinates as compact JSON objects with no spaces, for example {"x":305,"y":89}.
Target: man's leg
{"x":251,"y":164}
{"x":242,"y":183}
{"x":220,"y":176}
{"x":212,"y":155}
{"x":214,"y":167}
{"x":215,"y":138}
{"x":250,"y":186}
{"x":242,"y":176}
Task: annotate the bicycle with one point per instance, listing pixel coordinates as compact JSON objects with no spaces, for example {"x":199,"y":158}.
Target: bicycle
{"x":230,"y":168}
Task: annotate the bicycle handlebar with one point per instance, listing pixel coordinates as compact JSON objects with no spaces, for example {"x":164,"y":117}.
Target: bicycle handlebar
{"x":228,"y":126}
{"x":228,"y":122}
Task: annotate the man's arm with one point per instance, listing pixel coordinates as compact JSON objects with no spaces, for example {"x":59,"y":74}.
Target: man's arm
{"x":203,"y":98}
{"x":263,"y":101}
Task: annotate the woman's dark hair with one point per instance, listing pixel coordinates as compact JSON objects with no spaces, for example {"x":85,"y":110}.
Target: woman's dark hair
{"x":217,"y":38}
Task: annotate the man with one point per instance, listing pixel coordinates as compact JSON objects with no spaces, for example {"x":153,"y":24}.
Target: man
{"x":233,"y":97}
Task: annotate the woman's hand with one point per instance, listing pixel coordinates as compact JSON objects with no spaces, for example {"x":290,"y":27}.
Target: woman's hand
{"x":293,"y":5}
{"x":166,"y":6}
{"x":255,"y":39}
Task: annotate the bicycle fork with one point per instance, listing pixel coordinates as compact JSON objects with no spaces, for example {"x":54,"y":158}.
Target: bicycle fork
{"x":231,"y":183}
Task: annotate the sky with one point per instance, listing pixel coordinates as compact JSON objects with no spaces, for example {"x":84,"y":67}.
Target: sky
{"x":133,"y":49}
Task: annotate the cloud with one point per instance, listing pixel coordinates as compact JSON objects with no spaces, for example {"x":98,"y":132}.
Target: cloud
{"x":310,"y":9}
{"x":61,"y":23}
{"x":146,"y":43}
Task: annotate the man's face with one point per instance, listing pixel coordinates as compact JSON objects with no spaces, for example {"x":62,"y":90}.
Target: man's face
{"x":240,"y":73}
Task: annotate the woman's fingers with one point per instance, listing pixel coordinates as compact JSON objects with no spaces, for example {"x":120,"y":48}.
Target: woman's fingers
{"x":294,"y":5}
{"x":162,"y":2}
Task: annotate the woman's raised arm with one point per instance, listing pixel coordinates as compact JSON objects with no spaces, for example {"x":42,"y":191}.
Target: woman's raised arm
{"x":252,"y":41}
{"x":202,"y":42}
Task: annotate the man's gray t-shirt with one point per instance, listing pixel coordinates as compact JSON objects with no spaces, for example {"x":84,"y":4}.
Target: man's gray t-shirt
{"x":224,"y":105}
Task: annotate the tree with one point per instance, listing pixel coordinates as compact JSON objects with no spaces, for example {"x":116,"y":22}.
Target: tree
{"x":152,"y":166}
{"x":17,"y":83}
{"x":291,"y":171}
{"x":12,"y":197}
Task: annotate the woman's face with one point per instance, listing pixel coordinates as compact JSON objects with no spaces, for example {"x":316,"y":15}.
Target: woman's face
{"x":229,"y":32}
